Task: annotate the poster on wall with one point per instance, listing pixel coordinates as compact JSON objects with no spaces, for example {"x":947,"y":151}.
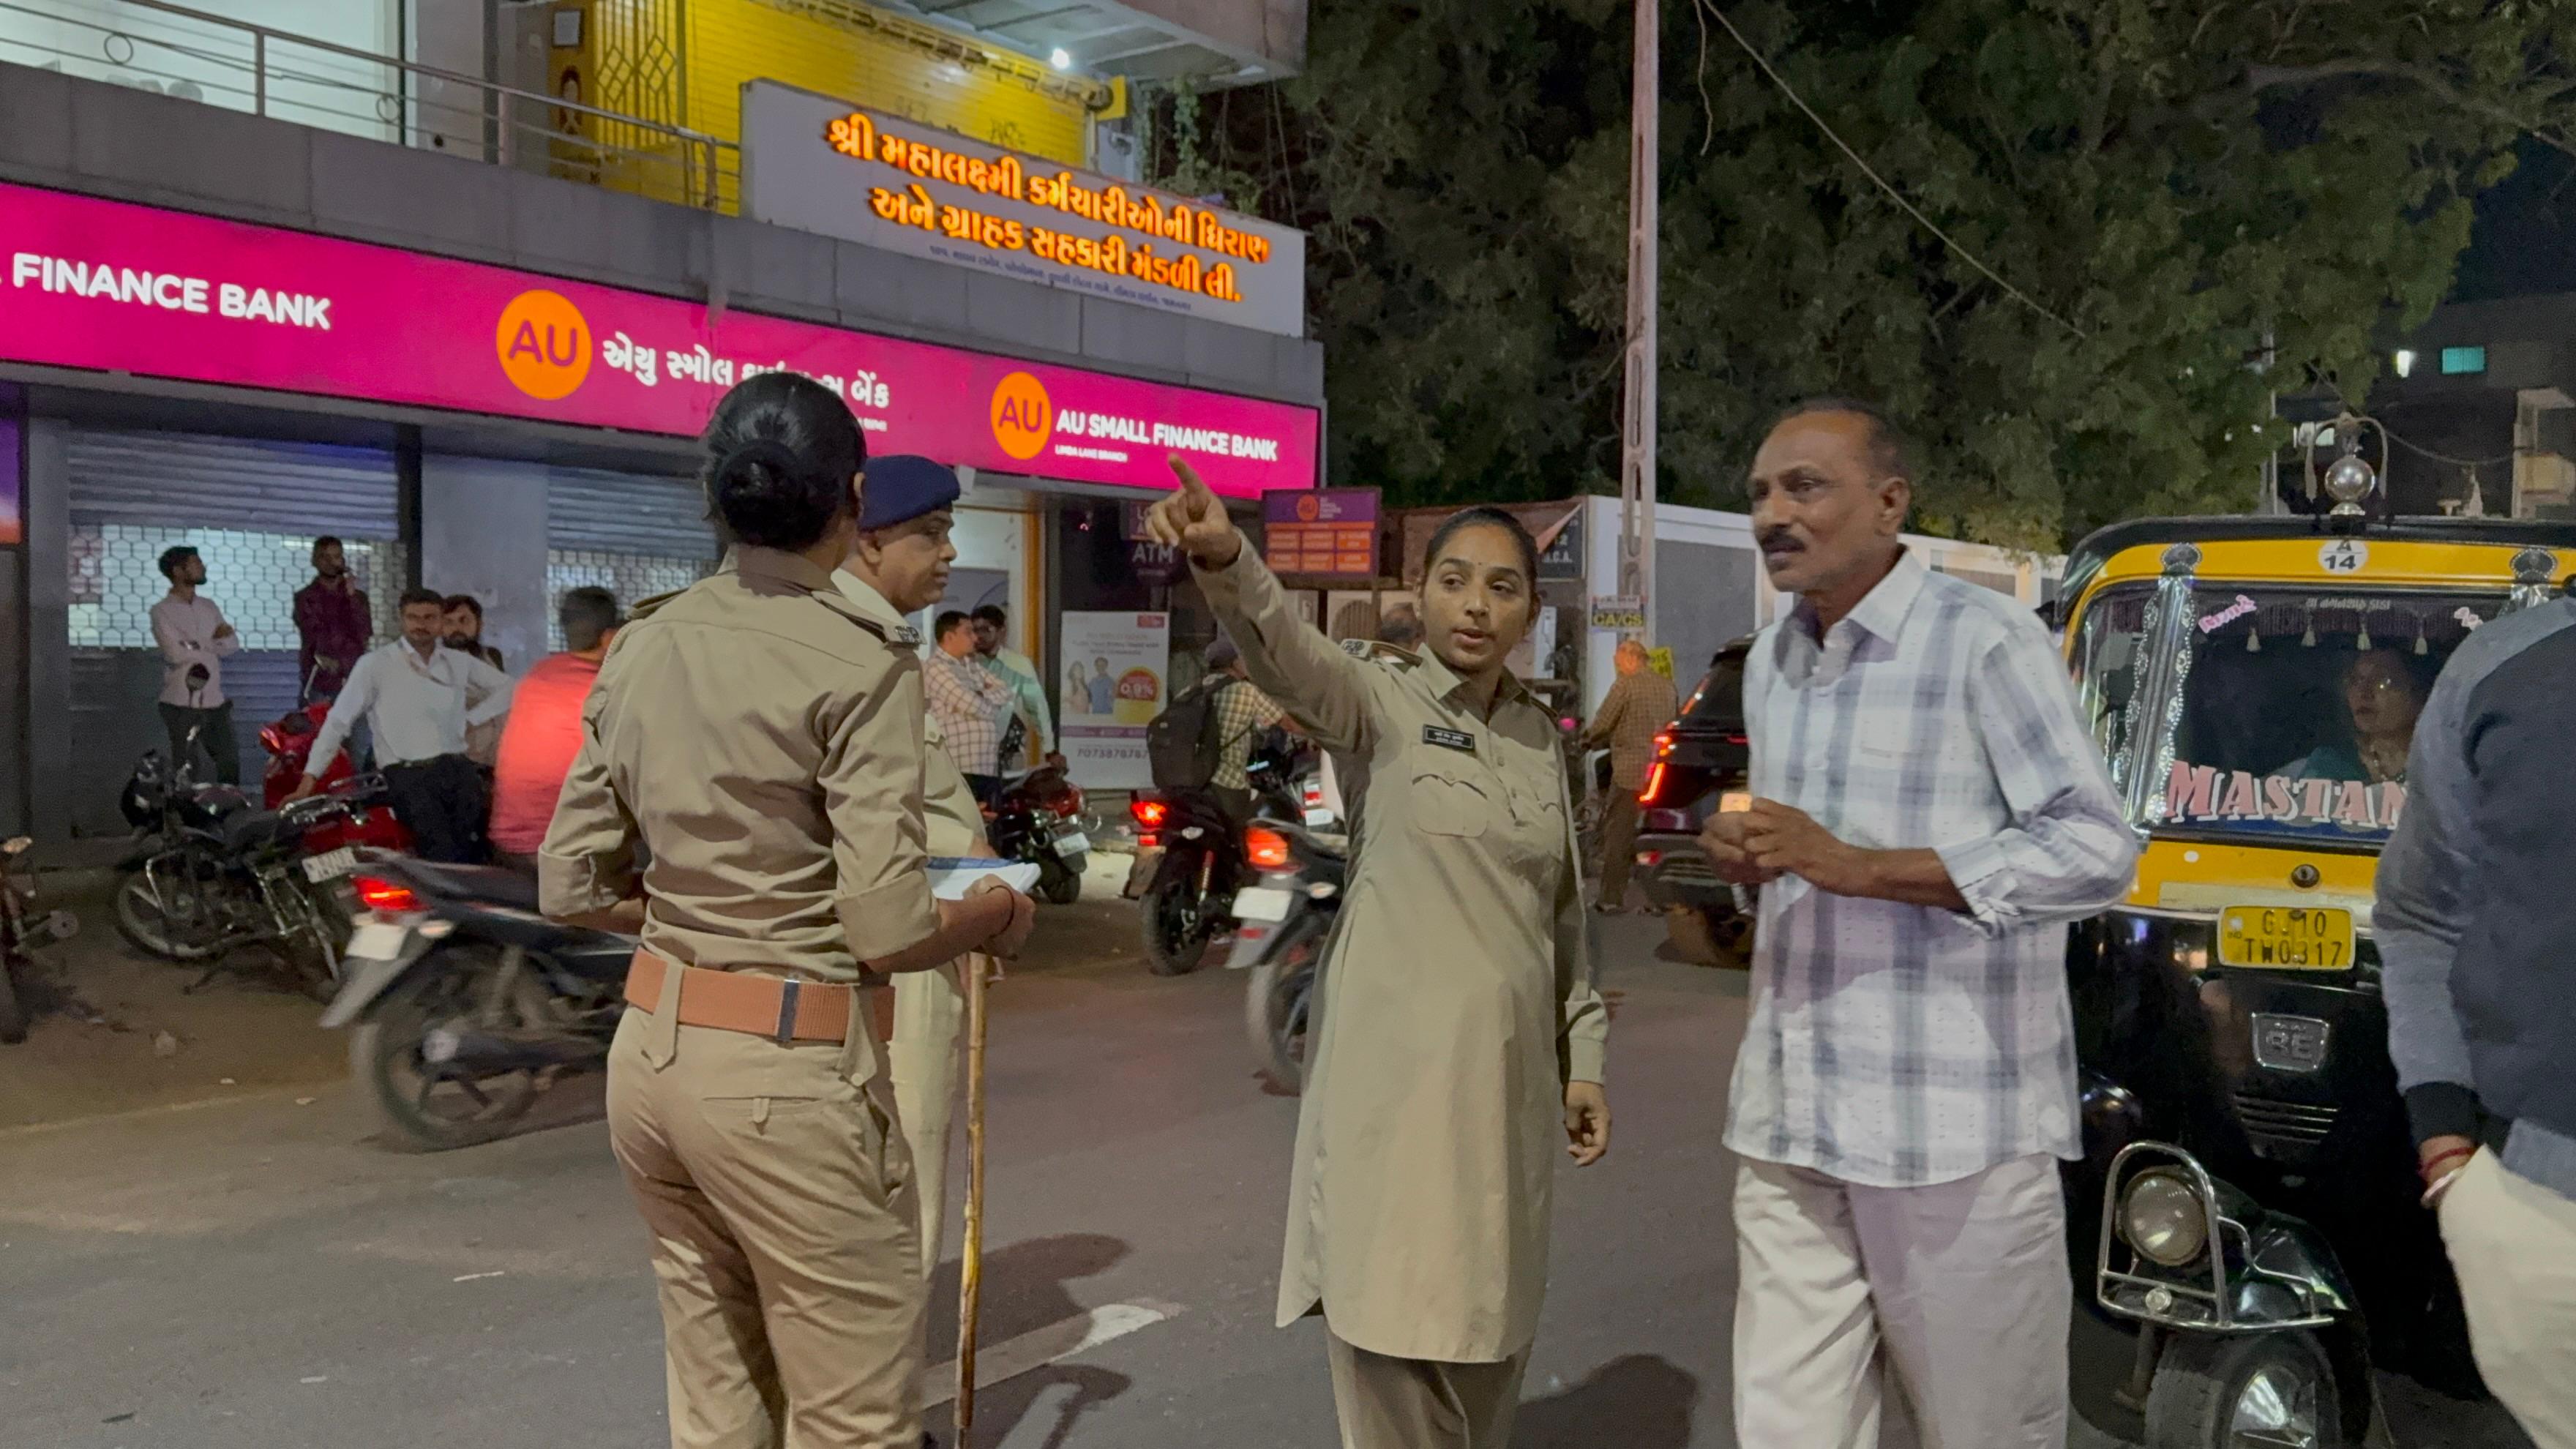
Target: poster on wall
{"x":1115,"y":673}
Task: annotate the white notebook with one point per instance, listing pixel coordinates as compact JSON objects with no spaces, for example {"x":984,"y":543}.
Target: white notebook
{"x":951,"y":876}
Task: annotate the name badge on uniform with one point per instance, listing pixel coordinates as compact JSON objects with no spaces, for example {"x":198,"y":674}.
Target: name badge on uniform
{"x":907,"y":637}
{"x":1449,"y":739}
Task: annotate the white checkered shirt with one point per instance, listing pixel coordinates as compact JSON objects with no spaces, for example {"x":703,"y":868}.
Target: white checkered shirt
{"x":1894,"y":1045}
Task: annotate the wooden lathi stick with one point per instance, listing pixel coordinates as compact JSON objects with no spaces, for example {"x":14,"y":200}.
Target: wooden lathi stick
{"x":970,"y":1275}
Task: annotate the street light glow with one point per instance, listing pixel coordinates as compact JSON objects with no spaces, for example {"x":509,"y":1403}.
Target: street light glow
{"x":1062,"y":59}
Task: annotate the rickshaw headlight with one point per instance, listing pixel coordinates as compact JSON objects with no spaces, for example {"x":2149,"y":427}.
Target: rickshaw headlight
{"x":2163,"y":1217}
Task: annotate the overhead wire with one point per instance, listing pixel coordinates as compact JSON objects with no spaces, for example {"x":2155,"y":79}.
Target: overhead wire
{"x":1709,"y":7}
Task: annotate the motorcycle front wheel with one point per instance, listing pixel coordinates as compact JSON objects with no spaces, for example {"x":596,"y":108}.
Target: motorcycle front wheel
{"x":1278,"y":1006}
{"x":171,"y":906}
{"x":402,"y":1054}
{"x":1058,"y":884}
{"x":1174,"y":916}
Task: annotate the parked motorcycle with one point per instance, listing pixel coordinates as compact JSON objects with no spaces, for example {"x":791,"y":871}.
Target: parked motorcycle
{"x":1285,"y":917}
{"x":1039,"y":820}
{"x":22,"y":933}
{"x":467,"y":1003}
{"x":371,"y":820}
{"x":211,"y":875}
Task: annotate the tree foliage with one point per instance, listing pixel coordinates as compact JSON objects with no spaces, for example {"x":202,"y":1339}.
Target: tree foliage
{"x":2169,"y":181}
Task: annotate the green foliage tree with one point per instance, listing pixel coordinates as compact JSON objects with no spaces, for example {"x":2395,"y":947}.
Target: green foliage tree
{"x":2170,"y":183}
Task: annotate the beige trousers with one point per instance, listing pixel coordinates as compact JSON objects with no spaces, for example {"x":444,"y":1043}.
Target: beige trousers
{"x":1412,"y":1403}
{"x":1958,"y":1292}
{"x":921,"y":1058}
{"x":780,"y":1201}
{"x":2513,"y":1243}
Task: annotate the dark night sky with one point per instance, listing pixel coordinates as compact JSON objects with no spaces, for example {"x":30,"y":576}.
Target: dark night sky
{"x":2525,"y":236}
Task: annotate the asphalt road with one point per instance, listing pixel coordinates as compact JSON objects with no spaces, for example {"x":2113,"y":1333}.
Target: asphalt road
{"x":258,"y":1273}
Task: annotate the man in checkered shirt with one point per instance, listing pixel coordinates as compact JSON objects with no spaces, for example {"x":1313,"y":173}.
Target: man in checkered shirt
{"x":970,"y":703}
{"x":1242,"y":713}
{"x":1929,"y":815}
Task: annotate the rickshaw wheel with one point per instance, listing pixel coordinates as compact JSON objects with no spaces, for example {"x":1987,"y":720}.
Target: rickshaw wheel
{"x":2245,"y":1391}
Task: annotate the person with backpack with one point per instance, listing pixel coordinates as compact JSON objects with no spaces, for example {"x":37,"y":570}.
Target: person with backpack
{"x":1241,"y":714}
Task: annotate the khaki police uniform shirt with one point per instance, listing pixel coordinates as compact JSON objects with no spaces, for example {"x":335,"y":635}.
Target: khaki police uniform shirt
{"x":763,"y":738}
{"x":955,"y":821}
{"x":1455,"y":999}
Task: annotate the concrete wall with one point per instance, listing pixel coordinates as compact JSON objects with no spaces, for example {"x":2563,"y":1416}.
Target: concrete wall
{"x":1272,"y":29}
{"x":483,"y":532}
{"x":109,"y":141}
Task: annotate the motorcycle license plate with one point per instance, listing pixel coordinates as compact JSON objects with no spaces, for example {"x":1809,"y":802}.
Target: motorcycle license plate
{"x":377,"y":941}
{"x":330,"y":865}
{"x":2286,"y":938}
{"x":1262,"y":903}
{"x":1072,"y":842}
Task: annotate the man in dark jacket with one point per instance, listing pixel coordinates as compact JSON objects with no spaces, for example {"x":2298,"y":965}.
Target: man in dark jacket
{"x":2477,"y":905}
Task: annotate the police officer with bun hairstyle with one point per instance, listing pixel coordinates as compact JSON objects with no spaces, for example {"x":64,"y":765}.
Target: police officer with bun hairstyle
{"x":760,"y":738}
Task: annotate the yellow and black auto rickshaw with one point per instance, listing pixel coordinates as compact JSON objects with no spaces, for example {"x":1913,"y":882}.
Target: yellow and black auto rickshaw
{"x":2246,"y":1222}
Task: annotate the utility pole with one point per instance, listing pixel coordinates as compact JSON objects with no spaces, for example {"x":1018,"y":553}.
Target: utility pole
{"x":1637,"y":421}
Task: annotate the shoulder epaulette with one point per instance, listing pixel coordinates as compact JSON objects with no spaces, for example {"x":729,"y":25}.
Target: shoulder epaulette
{"x":1379,"y":651}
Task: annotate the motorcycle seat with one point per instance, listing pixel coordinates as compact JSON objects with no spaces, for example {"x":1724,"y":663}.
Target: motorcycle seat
{"x":255,"y":829}
{"x":497,"y":885}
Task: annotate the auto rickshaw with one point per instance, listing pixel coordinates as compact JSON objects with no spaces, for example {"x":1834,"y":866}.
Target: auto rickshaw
{"x":2246,"y":1223}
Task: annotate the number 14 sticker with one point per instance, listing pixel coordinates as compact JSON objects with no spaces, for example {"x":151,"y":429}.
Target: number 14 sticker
{"x":2343,"y":556}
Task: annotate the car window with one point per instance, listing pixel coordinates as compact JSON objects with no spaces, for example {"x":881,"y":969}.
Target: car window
{"x":1719,"y":700}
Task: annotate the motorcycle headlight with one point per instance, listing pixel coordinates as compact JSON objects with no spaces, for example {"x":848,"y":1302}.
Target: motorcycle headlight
{"x":2164,"y":1218}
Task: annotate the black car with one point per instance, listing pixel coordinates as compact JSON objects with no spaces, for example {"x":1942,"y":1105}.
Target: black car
{"x":1701,"y":760}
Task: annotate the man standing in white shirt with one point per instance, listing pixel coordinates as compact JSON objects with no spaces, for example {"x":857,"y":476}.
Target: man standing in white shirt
{"x":412,"y":695}
{"x":194,"y":641}
{"x":1929,"y":813}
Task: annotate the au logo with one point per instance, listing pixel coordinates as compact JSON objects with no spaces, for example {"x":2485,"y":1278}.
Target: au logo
{"x":1309,"y":508}
{"x":1023,"y":419}
{"x":544,"y":345}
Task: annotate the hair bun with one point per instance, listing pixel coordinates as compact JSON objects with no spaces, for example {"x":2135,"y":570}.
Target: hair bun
{"x":760,"y":465}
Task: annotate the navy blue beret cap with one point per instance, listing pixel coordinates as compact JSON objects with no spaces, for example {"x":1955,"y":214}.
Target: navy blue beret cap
{"x":900,"y":487}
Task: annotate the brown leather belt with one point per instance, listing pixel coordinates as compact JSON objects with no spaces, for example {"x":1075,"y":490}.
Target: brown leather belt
{"x":781,"y":1008}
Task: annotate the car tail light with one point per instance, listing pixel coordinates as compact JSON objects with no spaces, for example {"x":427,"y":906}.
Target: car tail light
{"x":391,"y":897}
{"x":1654,"y":784}
{"x":1265,"y":848}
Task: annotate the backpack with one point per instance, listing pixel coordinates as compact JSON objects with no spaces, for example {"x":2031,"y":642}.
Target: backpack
{"x":1181,"y":744}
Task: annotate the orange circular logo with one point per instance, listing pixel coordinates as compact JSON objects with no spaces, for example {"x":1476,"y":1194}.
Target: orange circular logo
{"x":1309,"y":508}
{"x":543,"y":344}
{"x":1023,"y":419}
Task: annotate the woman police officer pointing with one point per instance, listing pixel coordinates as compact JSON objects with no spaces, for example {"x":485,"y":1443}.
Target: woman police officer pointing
{"x":762,"y":739}
{"x":1458,"y":1030}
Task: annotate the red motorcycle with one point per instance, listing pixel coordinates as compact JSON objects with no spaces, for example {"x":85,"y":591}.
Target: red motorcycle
{"x":289,"y":743}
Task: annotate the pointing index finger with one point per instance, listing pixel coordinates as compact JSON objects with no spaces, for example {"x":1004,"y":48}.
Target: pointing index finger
{"x":1191,"y":483}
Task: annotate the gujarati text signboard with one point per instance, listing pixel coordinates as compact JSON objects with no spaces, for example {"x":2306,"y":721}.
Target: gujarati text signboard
{"x":114,"y":287}
{"x":821,"y":165}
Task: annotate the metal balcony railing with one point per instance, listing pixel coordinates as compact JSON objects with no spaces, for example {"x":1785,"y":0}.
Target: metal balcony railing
{"x":175,"y":51}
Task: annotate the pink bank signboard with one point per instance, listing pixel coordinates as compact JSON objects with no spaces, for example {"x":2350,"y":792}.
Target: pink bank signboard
{"x":108,"y":286}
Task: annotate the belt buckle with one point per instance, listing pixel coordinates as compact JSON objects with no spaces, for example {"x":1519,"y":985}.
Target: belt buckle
{"x":787,"y":992}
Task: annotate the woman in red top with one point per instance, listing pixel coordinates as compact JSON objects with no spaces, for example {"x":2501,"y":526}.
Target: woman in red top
{"x":544,"y":730}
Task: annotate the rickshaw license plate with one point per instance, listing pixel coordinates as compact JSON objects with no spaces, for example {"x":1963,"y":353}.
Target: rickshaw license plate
{"x":2286,"y":938}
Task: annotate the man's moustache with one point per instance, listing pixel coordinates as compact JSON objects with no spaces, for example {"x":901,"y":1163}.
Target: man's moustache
{"x":1776,"y":538}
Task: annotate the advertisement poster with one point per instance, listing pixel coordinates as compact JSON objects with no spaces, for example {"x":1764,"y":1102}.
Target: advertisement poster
{"x":1328,"y":535}
{"x":1116,"y":678}
{"x":115,"y":287}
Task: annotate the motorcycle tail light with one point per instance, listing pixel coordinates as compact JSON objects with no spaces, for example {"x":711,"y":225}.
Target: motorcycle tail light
{"x":1265,"y":848}
{"x":1069,"y":804}
{"x":1149,"y":841}
{"x":379,"y":894}
{"x":1148,"y":812}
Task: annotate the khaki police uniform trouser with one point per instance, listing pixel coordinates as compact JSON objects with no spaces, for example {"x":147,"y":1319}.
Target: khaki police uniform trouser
{"x":1413,"y":1403}
{"x":929,"y":1015}
{"x":780,"y":1201}
{"x":2513,"y":1243}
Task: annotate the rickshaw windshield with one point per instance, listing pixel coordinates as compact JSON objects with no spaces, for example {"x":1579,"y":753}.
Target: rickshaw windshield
{"x":2290,"y":711}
